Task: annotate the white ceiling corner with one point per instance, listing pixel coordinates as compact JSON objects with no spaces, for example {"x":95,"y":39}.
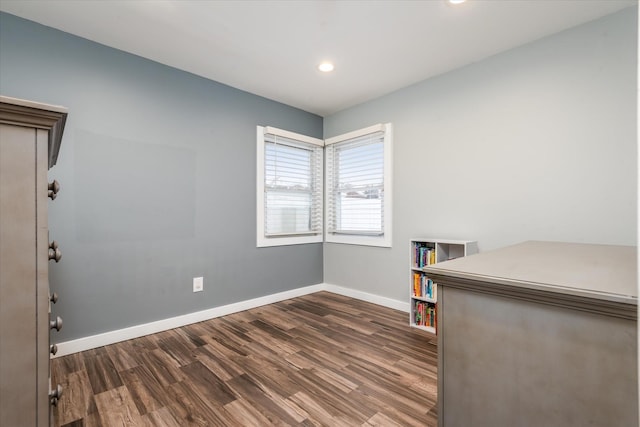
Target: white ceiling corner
{"x":271,"y":48}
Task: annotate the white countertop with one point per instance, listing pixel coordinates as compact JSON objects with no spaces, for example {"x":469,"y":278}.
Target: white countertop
{"x":596,"y":271}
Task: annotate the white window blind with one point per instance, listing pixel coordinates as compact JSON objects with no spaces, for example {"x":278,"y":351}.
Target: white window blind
{"x":358,"y":185}
{"x":296,"y":205}
{"x":291,"y":181}
{"x":293,"y":187}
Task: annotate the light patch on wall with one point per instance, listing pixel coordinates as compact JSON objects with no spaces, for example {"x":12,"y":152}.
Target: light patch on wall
{"x":129,"y":190}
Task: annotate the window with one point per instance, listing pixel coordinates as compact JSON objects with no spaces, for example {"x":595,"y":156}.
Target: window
{"x":356,"y":192}
{"x":358,"y":187}
{"x":290,"y":188}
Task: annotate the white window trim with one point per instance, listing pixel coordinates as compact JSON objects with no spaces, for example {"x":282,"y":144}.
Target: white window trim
{"x":262,"y":240}
{"x":386,"y":239}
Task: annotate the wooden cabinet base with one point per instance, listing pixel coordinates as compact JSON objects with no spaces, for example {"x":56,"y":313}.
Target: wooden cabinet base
{"x":29,"y":142}
{"x":516,"y":350}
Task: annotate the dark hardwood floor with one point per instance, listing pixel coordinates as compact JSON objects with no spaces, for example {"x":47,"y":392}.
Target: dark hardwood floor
{"x":318,"y":360}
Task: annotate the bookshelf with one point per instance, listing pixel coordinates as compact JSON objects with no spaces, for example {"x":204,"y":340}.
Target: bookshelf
{"x":423,"y":302}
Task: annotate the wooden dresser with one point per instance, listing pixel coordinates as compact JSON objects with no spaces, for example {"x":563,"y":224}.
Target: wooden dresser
{"x":538,"y":334}
{"x":30,"y":135}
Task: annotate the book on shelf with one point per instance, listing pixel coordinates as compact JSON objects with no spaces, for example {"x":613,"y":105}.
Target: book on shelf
{"x":424,"y":314}
{"x":424,"y":255}
{"x":424,"y":287}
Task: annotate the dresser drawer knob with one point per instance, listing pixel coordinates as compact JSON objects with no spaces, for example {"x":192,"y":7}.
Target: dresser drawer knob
{"x":53,"y":349}
{"x":56,"y":324}
{"x":54,"y":187}
{"x":54,"y":252}
{"x":53,"y":298}
{"x":54,"y":395}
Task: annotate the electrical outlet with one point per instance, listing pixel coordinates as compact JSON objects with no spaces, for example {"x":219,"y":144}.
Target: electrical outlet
{"x":198,"y":284}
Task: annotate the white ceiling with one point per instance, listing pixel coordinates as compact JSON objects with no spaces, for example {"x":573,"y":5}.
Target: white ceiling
{"x":272,"y":48}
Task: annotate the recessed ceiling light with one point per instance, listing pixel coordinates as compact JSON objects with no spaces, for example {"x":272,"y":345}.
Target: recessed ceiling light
{"x":455,"y":1}
{"x":325,"y":67}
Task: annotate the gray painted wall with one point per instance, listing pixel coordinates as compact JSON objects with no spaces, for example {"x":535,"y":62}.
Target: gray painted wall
{"x":535,"y":143}
{"x":157,"y":168}
{"x":538,"y":143}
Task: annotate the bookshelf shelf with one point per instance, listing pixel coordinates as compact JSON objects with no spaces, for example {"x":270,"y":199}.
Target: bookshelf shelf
{"x":423,"y":292}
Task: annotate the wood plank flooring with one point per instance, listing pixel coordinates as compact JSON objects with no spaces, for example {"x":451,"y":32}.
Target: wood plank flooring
{"x":318,"y":360}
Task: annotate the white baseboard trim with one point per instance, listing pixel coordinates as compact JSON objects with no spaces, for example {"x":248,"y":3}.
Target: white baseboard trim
{"x":365,"y":296}
{"x":112,"y":337}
